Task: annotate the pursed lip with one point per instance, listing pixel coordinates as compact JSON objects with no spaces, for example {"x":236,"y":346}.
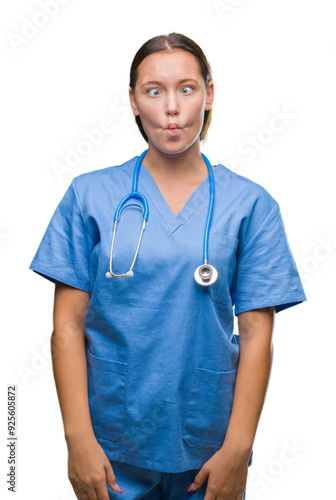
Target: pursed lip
{"x":172,"y":126}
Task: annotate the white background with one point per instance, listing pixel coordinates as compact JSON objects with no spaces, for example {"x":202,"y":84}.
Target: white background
{"x":268,"y":58}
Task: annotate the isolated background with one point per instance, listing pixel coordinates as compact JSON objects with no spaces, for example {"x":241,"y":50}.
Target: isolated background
{"x":268,"y":58}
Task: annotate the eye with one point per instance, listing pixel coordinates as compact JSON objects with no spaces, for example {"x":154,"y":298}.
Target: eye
{"x":154,"y":89}
{"x":188,"y":87}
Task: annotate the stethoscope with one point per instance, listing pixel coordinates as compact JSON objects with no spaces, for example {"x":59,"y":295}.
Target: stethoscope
{"x":205,"y":274}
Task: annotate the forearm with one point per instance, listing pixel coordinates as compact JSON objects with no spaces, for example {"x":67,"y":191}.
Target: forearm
{"x":70,"y":373}
{"x":253,"y":372}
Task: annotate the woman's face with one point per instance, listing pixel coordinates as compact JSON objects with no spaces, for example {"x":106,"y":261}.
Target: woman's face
{"x":170,"y":89}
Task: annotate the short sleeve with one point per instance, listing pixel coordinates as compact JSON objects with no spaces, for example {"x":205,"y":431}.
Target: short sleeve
{"x":266,"y":273}
{"x":65,"y":249}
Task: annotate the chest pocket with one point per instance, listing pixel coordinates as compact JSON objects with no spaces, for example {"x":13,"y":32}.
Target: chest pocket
{"x":222,"y":254}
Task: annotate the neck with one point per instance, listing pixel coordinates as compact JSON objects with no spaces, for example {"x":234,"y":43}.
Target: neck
{"x":180,"y":165}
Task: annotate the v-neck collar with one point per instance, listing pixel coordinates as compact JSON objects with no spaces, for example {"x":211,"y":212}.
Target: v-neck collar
{"x":152,"y":191}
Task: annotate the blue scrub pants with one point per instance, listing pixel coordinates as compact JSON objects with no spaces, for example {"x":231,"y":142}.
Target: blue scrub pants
{"x":137,"y":483}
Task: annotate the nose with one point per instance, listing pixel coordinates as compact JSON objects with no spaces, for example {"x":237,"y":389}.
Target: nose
{"x":172,"y":105}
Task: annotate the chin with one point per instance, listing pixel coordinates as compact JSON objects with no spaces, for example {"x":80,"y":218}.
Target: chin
{"x":174,"y":149}
{"x":173,"y":146}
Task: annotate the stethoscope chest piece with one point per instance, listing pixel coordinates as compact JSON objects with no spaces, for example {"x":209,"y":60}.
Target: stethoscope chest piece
{"x":205,"y":275}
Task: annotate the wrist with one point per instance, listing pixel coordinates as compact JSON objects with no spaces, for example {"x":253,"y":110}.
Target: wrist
{"x":238,"y":447}
{"x":73,"y":435}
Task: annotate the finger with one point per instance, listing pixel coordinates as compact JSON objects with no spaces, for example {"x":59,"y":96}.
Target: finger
{"x":77,"y":492}
{"x":87,"y":490}
{"x":111,"y":479}
{"x":210,"y":496}
{"x":80,"y":493}
{"x":242,"y":496}
{"x":91,"y":494}
{"x":198,"y":479}
{"x":102,"y":493}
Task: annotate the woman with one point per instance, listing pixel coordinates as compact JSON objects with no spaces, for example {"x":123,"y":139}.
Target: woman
{"x":155,"y":391}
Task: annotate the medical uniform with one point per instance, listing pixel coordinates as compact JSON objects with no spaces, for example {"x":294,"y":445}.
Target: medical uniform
{"x":161,"y":354}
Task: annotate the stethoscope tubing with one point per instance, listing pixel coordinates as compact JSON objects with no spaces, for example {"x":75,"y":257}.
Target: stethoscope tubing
{"x":136,"y":194}
{"x":210,"y":210}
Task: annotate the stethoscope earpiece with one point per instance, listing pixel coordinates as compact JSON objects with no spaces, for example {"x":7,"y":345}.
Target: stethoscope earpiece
{"x":205,"y":274}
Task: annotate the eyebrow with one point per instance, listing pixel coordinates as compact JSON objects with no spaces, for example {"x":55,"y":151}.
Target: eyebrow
{"x":157,"y":82}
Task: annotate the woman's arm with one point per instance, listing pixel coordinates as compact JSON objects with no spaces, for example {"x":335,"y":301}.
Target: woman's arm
{"x":254,"y":368}
{"x":88,"y":467}
{"x":69,"y":359}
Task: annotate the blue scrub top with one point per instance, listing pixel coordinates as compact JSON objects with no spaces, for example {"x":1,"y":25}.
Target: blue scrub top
{"x":161,"y":353}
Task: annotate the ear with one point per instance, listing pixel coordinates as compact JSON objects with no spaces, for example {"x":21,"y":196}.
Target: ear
{"x":133,"y":102}
{"x":210,"y":96}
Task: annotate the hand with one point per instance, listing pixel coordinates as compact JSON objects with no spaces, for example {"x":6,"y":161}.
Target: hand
{"x":89,"y":469}
{"x":227,"y":470}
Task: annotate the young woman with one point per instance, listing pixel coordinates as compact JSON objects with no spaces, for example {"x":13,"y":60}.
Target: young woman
{"x":156,"y":392}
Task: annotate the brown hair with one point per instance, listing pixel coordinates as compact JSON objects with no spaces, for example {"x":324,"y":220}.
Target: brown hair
{"x":170,"y":42}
